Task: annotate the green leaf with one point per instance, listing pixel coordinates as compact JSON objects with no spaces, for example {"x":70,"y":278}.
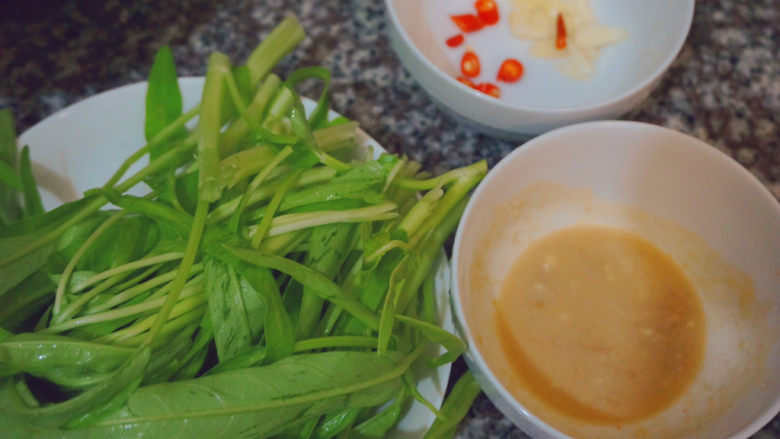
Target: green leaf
{"x":341,"y":120}
{"x":189,"y":364}
{"x":371,"y":286}
{"x":253,"y":357}
{"x":37,"y":353}
{"x":25,"y":300}
{"x":129,"y":239}
{"x":362,"y":182}
{"x":300,"y":431}
{"x":57,"y":414}
{"x":32,"y":198}
{"x":398,"y":279}
{"x":39,"y":223}
{"x":165,"y":354}
{"x":336,"y":422}
{"x":193,"y":366}
{"x":227,"y":310}
{"x":329,"y":249}
{"x":186,"y":191}
{"x":7,"y":137}
{"x":177,"y":221}
{"x":323,"y":286}
{"x":236,"y":133}
{"x":455,"y":407}
{"x":411,"y":387}
{"x":72,"y":379}
{"x":454,"y":345}
{"x":10,"y":210}
{"x":9,"y":177}
{"x":104,"y":410}
{"x":428,"y":298}
{"x":77,"y":281}
{"x":247,"y":403}
{"x":258,"y":401}
{"x":305,"y":151}
{"x":318,"y":117}
{"x":163,"y":98}
{"x":279,"y":334}
{"x":15,"y":272}
{"x":377,"y":426}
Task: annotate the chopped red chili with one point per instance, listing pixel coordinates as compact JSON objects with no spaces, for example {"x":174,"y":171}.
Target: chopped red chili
{"x":466,"y":81}
{"x":510,"y":71}
{"x":469,"y":64}
{"x":468,"y":22}
{"x":455,"y":41}
{"x":487,"y":11}
{"x":489,"y":89}
{"x":560,"y":38}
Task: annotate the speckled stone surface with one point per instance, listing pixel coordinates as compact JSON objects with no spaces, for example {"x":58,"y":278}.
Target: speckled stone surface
{"x":724,"y":87}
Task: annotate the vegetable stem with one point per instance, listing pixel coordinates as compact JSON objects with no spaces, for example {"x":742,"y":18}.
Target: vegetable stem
{"x":296,"y":221}
{"x":190,"y":253}
{"x":281,"y":41}
{"x":66,"y":273}
{"x":126,"y":311}
{"x":259,"y":233}
{"x":344,"y":341}
{"x":209,"y":127}
{"x":157,"y":140}
{"x":130,"y":266}
{"x":256,"y":182}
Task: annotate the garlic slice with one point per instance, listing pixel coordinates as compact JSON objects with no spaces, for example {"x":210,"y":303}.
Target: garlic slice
{"x":536,"y":20}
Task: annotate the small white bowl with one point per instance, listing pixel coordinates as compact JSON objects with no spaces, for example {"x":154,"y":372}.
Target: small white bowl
{"x":661,"y":185}
{"x":544,"y":98}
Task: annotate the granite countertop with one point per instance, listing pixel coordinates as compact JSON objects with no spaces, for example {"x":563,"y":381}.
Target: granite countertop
{"x":723,"y":88}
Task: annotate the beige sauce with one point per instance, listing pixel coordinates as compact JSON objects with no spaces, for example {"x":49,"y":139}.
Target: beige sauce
{"x":600,"y":325}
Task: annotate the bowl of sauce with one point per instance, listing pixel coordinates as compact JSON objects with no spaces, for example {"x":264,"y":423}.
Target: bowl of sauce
{"x":618,"y":279}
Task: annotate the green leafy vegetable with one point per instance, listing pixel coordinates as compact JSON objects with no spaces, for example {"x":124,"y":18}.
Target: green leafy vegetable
{"x":163,"y":98}
{"x":32,"y":198}
{"x":10,"y":209}
{"x":275,"y":281}
{"x":227,"y":310}
{"x":9,"y":177}
{"x":455,"y":407}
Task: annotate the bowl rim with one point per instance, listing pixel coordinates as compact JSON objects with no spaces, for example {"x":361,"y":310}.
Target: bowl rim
{"x":646,"y":83}
{"x":475,"y":355}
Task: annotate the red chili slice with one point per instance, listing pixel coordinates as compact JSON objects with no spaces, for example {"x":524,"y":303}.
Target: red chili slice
{"x":466,"y":81}
{"x":489,"y":89}
{"x":468,"y":22}
{"x":455,"y":41}
{"x":510,"y":71}
{"x":487,"y":11}
{"x":560,"y":38}
{"x":469,"y":64}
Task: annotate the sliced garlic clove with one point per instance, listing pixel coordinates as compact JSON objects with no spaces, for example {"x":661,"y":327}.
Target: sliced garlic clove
{"x":599,"y":36}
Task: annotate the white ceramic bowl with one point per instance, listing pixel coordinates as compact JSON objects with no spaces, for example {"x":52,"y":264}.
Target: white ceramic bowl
{"x":661,"y":185}
{"x":544,"y":98}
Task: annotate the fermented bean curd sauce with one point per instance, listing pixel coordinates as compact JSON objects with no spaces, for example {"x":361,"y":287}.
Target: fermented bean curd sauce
{"x":600,"y":325}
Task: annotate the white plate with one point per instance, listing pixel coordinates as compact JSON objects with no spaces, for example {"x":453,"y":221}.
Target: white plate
{"x":81,"y":146}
